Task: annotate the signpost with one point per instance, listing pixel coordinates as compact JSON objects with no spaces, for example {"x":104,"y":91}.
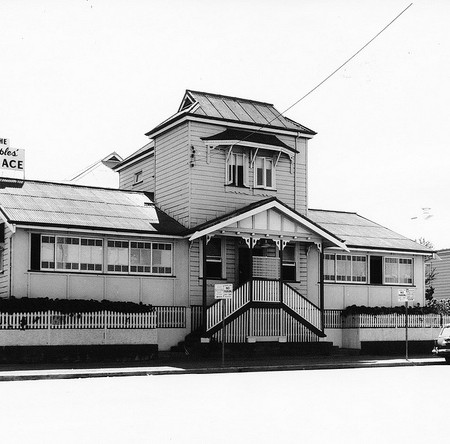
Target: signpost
{"x":223,"y":291}
{"x":405,"y":295}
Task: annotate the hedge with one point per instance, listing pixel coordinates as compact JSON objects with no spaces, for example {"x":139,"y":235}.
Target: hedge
{"x":27,"y":305}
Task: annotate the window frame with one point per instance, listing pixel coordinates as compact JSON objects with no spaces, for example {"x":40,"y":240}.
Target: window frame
{"x":79,"y":243}
{"x":398,"y":259}
{"x":138,"y":177}
{"x":353,"y":277}
{"x":232,"y":163}
{"x":287,"y":264}
{"x":265,"y":160}
{"x":223,"y":260}
{"x":105,"y":243}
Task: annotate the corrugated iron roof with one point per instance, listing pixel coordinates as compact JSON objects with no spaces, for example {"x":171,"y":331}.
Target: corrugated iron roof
{"x":359,"y":232}
{"x":64,"y":205}
{"x":242,"y":110}
{"x":232,"y":109}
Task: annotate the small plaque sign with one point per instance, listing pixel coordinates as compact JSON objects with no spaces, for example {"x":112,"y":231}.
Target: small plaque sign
{"x":223,"y":291}
{"x":406,"y":295}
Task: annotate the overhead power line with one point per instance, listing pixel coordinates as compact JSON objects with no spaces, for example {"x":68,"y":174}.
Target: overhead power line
{"x":333,"y":73}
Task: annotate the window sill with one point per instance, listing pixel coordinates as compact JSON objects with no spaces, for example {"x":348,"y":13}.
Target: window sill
{"x":101,"y":274}
{"x":368,"y":284}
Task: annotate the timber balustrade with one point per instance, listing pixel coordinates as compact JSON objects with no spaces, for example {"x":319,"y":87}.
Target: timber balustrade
{"x":264,"y":291}
{"x":306,"y":309}
{"x":241,"y":296}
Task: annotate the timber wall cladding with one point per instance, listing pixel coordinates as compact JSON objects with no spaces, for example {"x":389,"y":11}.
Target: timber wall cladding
{"x":210,"y":198}
{"x":148,"y":179}
{"x":5,"y":263}
{"x":172,"y":173}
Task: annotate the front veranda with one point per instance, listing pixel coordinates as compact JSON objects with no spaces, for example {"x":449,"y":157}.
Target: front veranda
{"x":263,"y":251}
{"x":269,"y":300}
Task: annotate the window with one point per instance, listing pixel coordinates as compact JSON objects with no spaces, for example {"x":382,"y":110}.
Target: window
{"x":345,"y":268}
{"x":237,"y":170}
{"x":214,"y":258}
{"x":288,"y":268}
{"x":162,"y":258}
{"x":86,"y":254}
{"x":139,"y":257}
{"x":398,"y":270}
{"x":264,"y":173}
{"x":118,"y":256}
{"x":71,"y":253}
{"x":138,"y":178}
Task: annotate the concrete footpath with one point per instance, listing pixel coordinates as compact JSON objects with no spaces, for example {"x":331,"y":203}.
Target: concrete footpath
{"x":187,"y":365}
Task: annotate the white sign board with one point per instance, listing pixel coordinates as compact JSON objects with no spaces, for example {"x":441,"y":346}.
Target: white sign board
{"x":406,"y":295}
{"x":12,"y":158}
{"x":223,"y":291}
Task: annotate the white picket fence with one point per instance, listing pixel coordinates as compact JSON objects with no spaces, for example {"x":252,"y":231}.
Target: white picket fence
{"x":334,"y":319}
{"x":170,"y":317}
{"x":161,"y":317}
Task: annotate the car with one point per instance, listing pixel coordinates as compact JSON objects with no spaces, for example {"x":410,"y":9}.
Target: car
{"x":442,"y":343}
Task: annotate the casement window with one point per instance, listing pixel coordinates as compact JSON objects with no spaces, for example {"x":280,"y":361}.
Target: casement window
{"x":214,"y":258}
{"x":345,"y":268}
{"x":288,"y":267}
{"x":237,"y":170}
{"x":398,"y":270}
{"x":71,"y":253}
{"x":264,"y":173}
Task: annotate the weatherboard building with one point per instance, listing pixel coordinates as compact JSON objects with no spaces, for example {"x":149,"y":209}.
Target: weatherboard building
{"x":217,"y":196}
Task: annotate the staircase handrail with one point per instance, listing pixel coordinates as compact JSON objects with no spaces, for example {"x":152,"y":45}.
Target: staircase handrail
{"x":214,"y":313}
{"x":302,"y":306}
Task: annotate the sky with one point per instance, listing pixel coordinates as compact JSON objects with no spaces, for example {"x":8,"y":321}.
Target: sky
{"x":82,"y":78}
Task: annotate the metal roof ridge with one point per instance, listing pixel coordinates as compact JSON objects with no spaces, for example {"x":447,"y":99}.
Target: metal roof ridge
{"x":223,"y":96}
{"x":335,"y":211}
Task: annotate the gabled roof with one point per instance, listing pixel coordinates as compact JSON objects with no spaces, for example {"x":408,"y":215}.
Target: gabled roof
{"x":233,"y":110}
{"x":146,"y":150}
{"x":263,"y":206}
{"x":48,"y":204}
{"x":359,"y":232}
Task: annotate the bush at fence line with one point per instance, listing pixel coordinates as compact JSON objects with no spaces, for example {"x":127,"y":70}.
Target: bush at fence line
{"x":362,"y":309}
{"x":441,"y":306}
{"x":27,"y":305}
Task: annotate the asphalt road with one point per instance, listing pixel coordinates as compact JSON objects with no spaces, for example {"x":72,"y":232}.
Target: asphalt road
{"x":348,"y":405}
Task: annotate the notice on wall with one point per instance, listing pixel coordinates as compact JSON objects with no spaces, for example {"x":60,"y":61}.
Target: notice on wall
{"x":11,"y":159}
{"x":406,"y":295}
